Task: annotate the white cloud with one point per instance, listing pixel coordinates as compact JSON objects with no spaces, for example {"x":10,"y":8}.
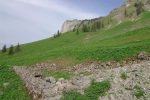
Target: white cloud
{"x":61,"y":8}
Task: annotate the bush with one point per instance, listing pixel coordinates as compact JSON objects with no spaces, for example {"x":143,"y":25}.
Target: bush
{"x":97,"y":89}
{"x":124,"y":75}
{"x":139,"y":92}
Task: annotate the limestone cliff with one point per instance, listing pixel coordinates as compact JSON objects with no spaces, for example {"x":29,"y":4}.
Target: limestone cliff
{"x":69,"y":25}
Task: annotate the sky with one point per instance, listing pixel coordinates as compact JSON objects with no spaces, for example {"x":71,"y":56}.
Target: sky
{"x":24,"y":21}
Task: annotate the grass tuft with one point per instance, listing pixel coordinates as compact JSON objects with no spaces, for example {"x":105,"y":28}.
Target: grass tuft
{"x":93,"y":92}
{"x":74,"y":96}
{"x":97,"y":89}
{"x":124,"y":75}
{"x":58,"y":74}
{"x":139,"y":92}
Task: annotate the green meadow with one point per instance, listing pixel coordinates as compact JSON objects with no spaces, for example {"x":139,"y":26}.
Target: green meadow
{"x":119,"y":42}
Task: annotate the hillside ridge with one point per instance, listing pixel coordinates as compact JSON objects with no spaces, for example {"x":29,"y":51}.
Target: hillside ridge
{"x":116,"y":15}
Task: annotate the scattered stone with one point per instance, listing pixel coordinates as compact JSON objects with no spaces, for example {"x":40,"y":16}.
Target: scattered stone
{"x":50,"y":80}
{"x":49,"y":88}
{"x":142,"y":56}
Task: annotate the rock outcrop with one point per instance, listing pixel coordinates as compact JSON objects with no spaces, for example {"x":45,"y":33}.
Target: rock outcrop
{"x":69,"y":25}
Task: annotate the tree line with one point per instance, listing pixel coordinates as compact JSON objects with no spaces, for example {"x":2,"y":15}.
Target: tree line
{"x":11,"y":50}
{"x":93,"y":27}
{"x":58,"y":34}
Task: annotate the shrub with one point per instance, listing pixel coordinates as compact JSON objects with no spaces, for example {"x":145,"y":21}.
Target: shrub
{"x":139,"y":92}
{"x":124,"y":75}
{"x":97,"y":89}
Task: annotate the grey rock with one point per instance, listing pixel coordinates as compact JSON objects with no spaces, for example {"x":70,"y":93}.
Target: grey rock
{"x":142,"y":56}
{"x":69,"y":25}
{"x":50,"y":80}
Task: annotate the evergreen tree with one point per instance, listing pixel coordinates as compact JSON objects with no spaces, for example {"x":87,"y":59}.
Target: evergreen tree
{"x":110,"y":18}
{"x":98,"y":25}
{"x":77,"y":32}
{"x":139,"y":8}
{"x":102,"y":25}
{"x":125,"y":13}
{"x":85,"y":28}
{"x":54,"y":36}
{"x":4,"y":49}
{"x":18,"y":48}
{"x":73,"y":30}
{"x":11,"y":50}
{"x":93,"y":27}
{"x":58,"y":33}
{"x":108,"y":22}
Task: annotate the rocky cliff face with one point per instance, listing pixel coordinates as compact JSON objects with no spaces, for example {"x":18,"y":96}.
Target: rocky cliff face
{"x":69,"y":25}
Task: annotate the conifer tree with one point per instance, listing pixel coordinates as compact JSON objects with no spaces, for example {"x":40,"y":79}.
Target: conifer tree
{"x":4,"y":49}
{"x":54,"y":36}
{"x":58,"y":33}
{"x":93,"y":27}
{"x":77,"y":32}
{"x":73,"y":30}
{"x":85,"y":28}
{"x":139,"y":8}
{"x":102,"y":25}
{"x":11,"y":50}
{"x":125,"y":13}
{"x":18,"y":48}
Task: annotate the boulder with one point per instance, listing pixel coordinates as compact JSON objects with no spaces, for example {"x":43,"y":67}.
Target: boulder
{"x":50,"y":80}
{"x":142,"y":56}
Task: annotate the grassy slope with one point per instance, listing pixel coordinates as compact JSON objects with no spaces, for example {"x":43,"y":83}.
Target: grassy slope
{"x":117,"y":43}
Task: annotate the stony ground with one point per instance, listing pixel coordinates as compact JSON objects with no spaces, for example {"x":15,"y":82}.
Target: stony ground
{"x":130,"y":80}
